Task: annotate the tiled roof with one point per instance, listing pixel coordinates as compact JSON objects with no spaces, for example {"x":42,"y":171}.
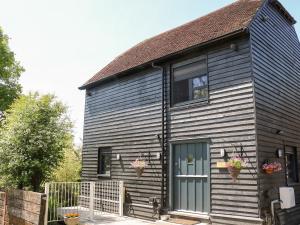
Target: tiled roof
{"x":232,"y":18}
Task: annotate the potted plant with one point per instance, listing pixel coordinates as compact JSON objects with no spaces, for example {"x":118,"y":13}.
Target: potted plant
{"x":234,"y":166}
{"x":71,"y":218}
{"x":139,"y":166}
{"x":270,"y":168}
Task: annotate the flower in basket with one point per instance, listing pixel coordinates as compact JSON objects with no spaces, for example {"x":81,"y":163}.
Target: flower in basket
{"x":270,"y":168}
{"x":277,"y":166}
{"x":139,"y":166}
{"x":71,"y":218}
{"x":71,"y":215}
{"x":235,"y":165}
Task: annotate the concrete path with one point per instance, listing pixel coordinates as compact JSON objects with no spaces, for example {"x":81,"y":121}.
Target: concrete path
{"x":110,"y":219}
{"x":116,"y":220}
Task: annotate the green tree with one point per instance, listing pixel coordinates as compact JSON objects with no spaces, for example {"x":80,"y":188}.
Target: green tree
{"x":10,"y":71}
{"x":69,"y":169}
{"x":34,"y":136}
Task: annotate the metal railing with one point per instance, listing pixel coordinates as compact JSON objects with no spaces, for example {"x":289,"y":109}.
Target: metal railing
{"x":85,"y":198}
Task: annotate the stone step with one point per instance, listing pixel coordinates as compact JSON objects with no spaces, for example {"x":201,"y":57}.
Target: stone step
{"x":161,"y":222}
{"x":188,"y":215}
{"x":185,"y":218}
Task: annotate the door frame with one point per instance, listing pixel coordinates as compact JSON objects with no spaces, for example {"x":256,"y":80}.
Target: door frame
{"x":171,"y":148}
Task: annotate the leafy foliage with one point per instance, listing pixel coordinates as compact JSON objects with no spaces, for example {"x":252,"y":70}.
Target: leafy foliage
{"x":69,"y":169}
{"x":237,"y":162}
{"x":10,"y":71}
{"x":34,"y":137}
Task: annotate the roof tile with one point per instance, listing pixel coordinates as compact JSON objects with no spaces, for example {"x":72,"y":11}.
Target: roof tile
{"x":215,"y":25}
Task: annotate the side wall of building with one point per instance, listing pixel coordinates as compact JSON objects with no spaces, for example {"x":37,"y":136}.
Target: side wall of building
{"x":125,"y":114}
{"x":276,"y":67}
{"x":227,"y":121}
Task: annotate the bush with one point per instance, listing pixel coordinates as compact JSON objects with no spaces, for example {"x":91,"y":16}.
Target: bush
{"x":34,"y":135}
{"x":69,"y":169}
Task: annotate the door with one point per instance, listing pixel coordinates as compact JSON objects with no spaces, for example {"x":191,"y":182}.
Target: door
{"x":191,"y":169}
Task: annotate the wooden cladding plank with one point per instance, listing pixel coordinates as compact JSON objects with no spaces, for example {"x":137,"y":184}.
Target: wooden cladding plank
{"x":23,"y":214}
{"x":17,"y":221}
{"x":24,"y":205}
{"x":230,"y":221}
{"x":2,"y":207}
{"x":28,"y":196}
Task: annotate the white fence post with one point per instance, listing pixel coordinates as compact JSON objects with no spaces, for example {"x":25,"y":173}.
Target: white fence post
{"x":47,"y":202}
{"x":92,"y":197}
{"x":121,"y":197}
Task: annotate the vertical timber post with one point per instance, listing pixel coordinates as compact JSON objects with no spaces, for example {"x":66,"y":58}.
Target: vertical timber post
{"x":92,"y":197}
{"x":121,"y":197}
{"x":5,"y":207}
{"x":47,"y":201}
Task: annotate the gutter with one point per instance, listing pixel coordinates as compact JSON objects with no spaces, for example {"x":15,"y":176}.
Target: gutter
{"x":164,"y":58}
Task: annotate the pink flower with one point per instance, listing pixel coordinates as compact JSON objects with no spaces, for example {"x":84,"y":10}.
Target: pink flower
{"x":275,"y":166}
{"x":138,"y":163}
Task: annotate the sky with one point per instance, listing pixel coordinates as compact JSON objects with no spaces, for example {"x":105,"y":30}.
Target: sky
{"x":62,"y":43}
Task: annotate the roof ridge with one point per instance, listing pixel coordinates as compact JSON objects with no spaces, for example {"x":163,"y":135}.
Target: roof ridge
{"x":185,"y":24}
{"x":229,"y":19}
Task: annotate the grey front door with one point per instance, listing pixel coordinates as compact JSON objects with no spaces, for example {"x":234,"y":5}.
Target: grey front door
{"x":191,"y":177}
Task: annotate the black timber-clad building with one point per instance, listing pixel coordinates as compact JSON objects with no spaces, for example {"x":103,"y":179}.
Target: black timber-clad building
{"x":227,"y":81}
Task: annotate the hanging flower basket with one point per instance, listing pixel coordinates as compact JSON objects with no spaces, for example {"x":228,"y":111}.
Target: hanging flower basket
{"x":269,"y":171}
{"x":71,"y":219}
{"x":234,"y":166}
{"x":234,"y":173}
{"x":139,"y":166}
{"x":270,"y":168}
{"x":139,"y":171}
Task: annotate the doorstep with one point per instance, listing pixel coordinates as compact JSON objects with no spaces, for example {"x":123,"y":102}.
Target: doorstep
{"x":199,"y":216}
{"x":160,"y":222}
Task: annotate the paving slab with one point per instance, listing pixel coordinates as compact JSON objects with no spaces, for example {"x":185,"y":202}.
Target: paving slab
{"x":115,"y":220}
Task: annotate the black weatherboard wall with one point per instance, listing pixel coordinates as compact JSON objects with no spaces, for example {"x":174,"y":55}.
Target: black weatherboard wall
{"x":225,"y":120}
{"x":253,"y":83}
{"x":276,"y":67}
{"x":125,"y":114}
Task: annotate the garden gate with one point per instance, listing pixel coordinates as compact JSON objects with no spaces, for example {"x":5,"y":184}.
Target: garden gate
{"x":85,"y":198}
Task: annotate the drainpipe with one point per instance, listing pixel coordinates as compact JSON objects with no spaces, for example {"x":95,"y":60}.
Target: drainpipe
{"x":162,"y":202}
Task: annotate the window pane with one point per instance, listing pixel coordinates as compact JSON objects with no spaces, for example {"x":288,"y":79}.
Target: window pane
{"x":196,"y":82}
{"x":181,"y":91}
{"x":104,"y":161}
{"x":191,"y":70}
{"x":105,"y":164}
{"x":200,"y":93}
{"x":199,"y":81}
{"x":291,"y":165}
{"x":188,"y":82}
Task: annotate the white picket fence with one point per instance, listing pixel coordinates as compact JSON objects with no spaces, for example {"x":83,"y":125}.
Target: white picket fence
{"x":86,"y":198}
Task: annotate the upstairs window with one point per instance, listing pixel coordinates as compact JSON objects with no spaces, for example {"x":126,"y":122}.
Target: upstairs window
{"x":104,"y":162}
{"x":291,"y":165}
{"x":190,"y":81}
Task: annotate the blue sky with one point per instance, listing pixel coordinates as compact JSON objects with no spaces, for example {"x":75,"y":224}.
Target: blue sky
{"x":62,"y":43}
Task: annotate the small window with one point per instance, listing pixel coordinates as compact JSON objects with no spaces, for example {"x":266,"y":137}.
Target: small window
{"x":190,"y":82}
{"x":104,"y":161}
{"x":291,"y":165}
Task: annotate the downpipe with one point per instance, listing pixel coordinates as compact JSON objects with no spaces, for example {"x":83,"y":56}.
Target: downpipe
{"x":162,"y":202}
